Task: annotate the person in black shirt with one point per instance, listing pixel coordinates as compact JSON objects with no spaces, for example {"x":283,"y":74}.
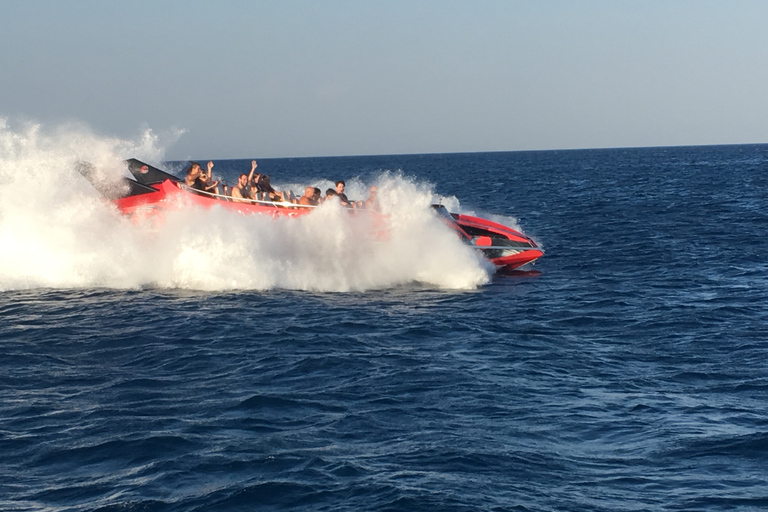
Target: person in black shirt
{"x":199,"y":181}
{"x":340,"y":186}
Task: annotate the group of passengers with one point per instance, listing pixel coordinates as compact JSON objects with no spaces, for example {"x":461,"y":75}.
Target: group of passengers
{"x":372,"y":203}
{"x":256,"y":187}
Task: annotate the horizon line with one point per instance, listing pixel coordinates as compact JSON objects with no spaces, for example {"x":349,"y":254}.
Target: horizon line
{"x":478,"y":152}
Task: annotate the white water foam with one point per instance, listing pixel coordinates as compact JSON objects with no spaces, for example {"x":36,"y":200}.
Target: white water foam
{"x":57,"y":231}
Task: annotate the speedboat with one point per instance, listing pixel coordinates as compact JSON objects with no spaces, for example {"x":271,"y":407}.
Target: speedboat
{"x":152,"y":192}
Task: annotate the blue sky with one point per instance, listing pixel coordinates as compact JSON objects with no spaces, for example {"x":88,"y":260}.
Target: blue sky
{"x":310,"y":78}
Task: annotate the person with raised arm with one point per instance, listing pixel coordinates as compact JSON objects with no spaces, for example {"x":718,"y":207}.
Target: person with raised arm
{"x":193,"y":177}
{"x":207,"y":179}
{"x":197,"y":180}
{"x":254,"y":177}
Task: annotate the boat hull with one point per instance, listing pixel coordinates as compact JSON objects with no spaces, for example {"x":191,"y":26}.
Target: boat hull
{"x":155,"y":192}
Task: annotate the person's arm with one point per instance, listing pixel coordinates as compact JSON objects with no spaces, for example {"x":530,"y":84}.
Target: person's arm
{"x":254,"y":165}
{"x":209,"y":183}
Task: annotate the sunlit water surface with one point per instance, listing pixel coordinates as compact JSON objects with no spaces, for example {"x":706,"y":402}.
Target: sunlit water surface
{"x":206,"y":368}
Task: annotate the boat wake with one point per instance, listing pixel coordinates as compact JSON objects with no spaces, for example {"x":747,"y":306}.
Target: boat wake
{"x":57,"y":231}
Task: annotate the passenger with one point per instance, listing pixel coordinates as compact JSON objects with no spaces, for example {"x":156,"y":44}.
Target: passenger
{"x":340,"y":185}
{"x":253,"y":180}
{"x":308,"y":199}
{"x":266,"y":187}
{"x":253,"y":189}
{"x":318,"y":196}
{"x":207,"y":179}
{"x":198,"y":180}
{"x":330,"y":194}
{"x":240,"y":192}
{"x":254,"y":165}
{"x":193,"y":177}
{"x":372,"y":203}
{"x":271,"y":193}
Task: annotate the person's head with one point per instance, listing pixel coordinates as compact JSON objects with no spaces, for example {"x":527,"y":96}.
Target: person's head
{"x":330,"y":193}
{"x":194,"y":169}
{"x":373,"y":191}
{"x":317,"y":193}
{"x":257,"y":178}
{"x":340,"y":186}
{"x":264,"y":184}
{"x":309,"y":192}
{"x":242,"y":180}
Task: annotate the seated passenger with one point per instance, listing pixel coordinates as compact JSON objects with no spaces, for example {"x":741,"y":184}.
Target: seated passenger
{"x":253,"y":179}
{"x":199,"y":181}
{"x":193,"y":177}
{"x":340,"y":185}
{"x":253,"y":185}
{"x":207,"y":179}
{"x":308,"y":199}
{"x":240,"y":192}
{"x":270,"y":192}
{"x":330,"y":194}
{"x":372,"y":203}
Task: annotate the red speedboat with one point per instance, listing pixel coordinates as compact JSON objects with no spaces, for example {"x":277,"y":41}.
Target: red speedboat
{"x":153,"y":192}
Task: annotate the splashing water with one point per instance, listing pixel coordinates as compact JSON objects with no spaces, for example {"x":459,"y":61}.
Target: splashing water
{"x":57,"y":231}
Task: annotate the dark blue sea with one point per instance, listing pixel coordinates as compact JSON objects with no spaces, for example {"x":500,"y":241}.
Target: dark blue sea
{"x":627,"y":370}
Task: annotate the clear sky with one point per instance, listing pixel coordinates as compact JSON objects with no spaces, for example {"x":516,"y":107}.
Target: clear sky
{"x":331,"y":77}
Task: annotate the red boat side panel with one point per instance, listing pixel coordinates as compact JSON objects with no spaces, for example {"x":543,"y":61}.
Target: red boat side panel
{"x":507,"y":232}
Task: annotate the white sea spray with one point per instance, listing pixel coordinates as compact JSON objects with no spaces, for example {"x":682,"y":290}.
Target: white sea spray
{"x":57,"y":231}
